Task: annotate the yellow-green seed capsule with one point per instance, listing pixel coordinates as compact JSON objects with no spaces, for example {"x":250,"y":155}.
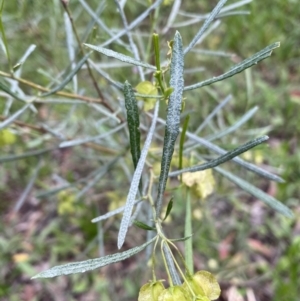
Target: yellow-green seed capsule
{"x":150,"y":291}
{"x":204,"y":286}
{"x":174,"y":293}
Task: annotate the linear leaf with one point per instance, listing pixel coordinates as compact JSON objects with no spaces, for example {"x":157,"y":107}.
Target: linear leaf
{"x":247,"y":63}
{"x":25,"y":155}
{"x":181,"y":239}
{"x":256,"y":192}
{"x":171,"y":266}
{"x":135,"y":182}
{"x":68,"y":78}
{"x":111,"y":213}
{"x":216,"y":149}
{"x":133,"y":121}
{"x":90,"y":139}
{"x":248,"y":115}
{"x":120,"y":56}
{"x":134,"y":23}
{"x":143,"y":226}
{"x":169,"y":209}
{"x":13,"y":117}
{"x":173,"y":116}
{"x":4,"y":88}
{"x":205,"y":25}
{"x":213,"y":113}
{"x":224,"y":158}
{"x":91,"y":264}
{"x":101,"y":172}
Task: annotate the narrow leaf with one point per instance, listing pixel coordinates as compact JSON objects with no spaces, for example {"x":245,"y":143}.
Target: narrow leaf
{"x":173,"y":116}
{"x":224,"y":158}
{"x":111,"y":213}
{"x":256,"y":192}
{"x":25,"y":155}
{"x":169,"y":209}
{"x":133,"y":122}
{"x":260,"y":171}
{"x":4,"y":88}
{"x":68,"y":78}
{"x":248,"y":115}
{"x":143,"y":226}
{"x":207,"y":22}
{"x":135,"y":182}
{"x":213,"y":113}
{"x":247,"y":63}
{"x":70,"y":143}
{"x":4,"y":35}
{"x":13,"y":117}
{"x":91,"y":264}
{"x":181,"y":239}
{"x":120,"y":56}
{"x":216,"y":149}
{"x":171,"y":266}
{"x":135,"y":23}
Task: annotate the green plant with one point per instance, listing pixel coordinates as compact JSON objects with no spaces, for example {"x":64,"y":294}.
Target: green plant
{"x":114,"y":111}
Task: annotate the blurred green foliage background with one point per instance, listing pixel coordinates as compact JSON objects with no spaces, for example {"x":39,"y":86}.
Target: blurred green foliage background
{"x":249,"y":247}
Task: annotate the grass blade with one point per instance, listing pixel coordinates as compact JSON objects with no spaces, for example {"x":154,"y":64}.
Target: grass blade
{"x":91,"y":264}
{"x":256,"y":192}
{"x":173,"y":117}
{"x":247,"y":63}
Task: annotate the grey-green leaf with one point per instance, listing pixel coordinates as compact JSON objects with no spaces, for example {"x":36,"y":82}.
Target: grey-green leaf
{"x":247,"y":63}
{"x":256,"y":192}
{"x":91,"y":264}
{"x":173,"y":116}
{"x":125,"y":223}
{"x":224,"y":158}
{"x":13,"y":117}
{"x":133,"y":122}
{"x":120,"y":56}
{"x":207,"y":22}
{"x":68,"y":78}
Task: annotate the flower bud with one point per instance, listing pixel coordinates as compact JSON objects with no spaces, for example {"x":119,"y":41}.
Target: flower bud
{"x":204,"y":285}
{"x":174,"y":293}
{"x":150,"y":291}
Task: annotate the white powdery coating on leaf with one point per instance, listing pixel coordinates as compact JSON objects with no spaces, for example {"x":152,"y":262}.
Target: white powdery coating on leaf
{"x":135,"y":182}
